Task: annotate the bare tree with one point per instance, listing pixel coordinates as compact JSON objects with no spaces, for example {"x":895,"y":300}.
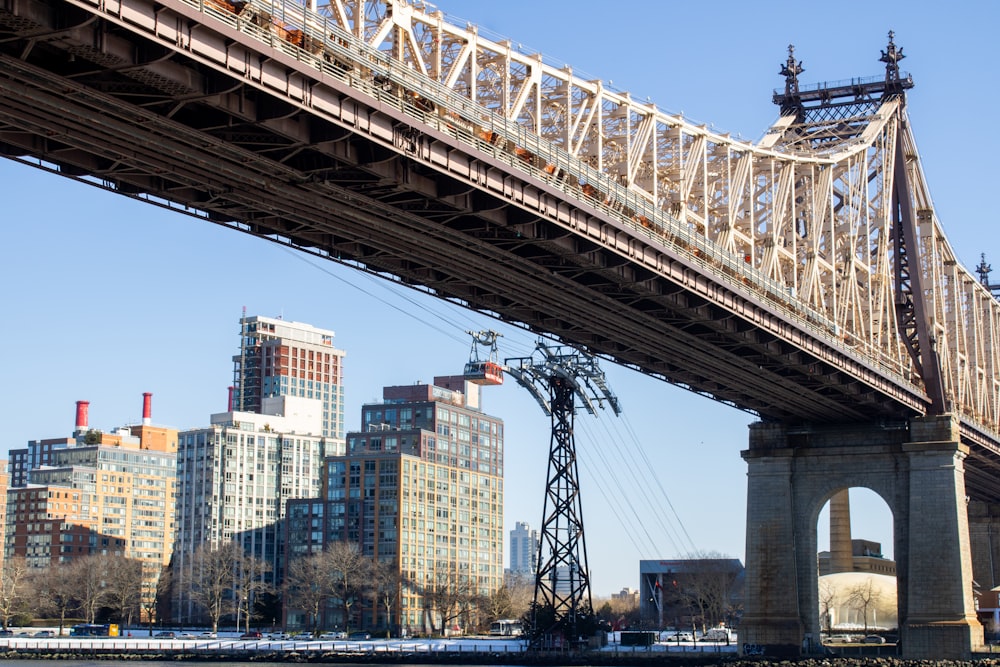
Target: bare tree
{"x":827,"y":603}
{"x":56,"y":588}
{"x":210,"y":580}
{"x":512,"y":600}
{"x":157,"y":590}
{"x":123,"y":584}
{"x":249,"y":583}
{"x":863,"y":597}
{"x":13,"y":590}
{"x":307,"y":584}
{"x":450,"y":596}
{"x":348,"y":571}
{"x":89,"y":574}
{"x":522,"y":594}
{"x":498,"y":605}
{"x":709,"y":587}
{"x":386,"y":588}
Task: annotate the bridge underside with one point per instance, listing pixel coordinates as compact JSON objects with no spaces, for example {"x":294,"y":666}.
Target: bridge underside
{"x":94,"y":98}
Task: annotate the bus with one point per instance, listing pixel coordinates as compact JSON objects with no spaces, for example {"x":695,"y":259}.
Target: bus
{"x":506,"y":628}
{"x":94,"y":630}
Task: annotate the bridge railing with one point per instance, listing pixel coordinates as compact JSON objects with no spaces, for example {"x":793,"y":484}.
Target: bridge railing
{"x":324,"y":45}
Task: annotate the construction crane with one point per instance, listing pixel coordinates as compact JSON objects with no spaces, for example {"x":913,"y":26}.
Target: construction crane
{"x":562,"y":610}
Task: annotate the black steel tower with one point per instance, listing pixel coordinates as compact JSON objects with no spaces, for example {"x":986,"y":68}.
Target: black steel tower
{"x":562,"y":603}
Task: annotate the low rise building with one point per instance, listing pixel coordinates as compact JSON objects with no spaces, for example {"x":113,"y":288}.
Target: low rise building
{"x":691,"y":591}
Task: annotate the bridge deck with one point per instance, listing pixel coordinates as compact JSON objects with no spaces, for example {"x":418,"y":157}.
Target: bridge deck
{"x":334,"y":149}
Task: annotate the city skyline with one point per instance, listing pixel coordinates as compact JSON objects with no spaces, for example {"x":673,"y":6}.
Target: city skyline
{"x":99,"y":282}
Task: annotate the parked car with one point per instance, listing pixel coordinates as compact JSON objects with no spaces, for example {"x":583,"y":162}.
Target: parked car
{"x":208,"y":635}
{"x":165,"y":635}
{"x":838,"y":639}
{"x":44,"y":634}
{"x":186,"y":635}
{"x":333,"y":635}
{"x":678,"y":637}
{"x":873,"y":639}
{"x":6,"y":633}
{"x":253,"y":634}
{"x":719,"y":635}
{"x":359,"y":635}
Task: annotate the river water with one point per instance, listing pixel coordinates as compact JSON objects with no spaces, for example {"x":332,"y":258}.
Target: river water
{"x":173,"y":663}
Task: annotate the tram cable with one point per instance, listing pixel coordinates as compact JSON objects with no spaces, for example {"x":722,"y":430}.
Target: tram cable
{"x":616,"y":493}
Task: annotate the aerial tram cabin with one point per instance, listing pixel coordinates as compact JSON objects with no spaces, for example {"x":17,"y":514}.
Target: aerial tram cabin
{"x":484,"y":372}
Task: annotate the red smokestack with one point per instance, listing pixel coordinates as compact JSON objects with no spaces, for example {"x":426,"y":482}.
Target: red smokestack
{"x":229,"y":408}
{"x":81,"y":415}
{"x":147,"y":408}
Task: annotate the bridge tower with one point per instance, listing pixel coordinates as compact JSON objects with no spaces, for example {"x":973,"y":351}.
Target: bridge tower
{"x":916,"y":465}
{"x":562,"y":607}
{"x":984,"y":270}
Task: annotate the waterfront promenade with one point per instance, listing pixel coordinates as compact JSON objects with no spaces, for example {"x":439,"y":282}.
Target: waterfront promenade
{"x":465,"y":649}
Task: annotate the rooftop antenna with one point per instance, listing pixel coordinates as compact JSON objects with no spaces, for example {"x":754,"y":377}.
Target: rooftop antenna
{"x":556,"y":377}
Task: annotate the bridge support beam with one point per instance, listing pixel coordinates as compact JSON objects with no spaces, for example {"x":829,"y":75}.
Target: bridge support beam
{"x":917,"y":468}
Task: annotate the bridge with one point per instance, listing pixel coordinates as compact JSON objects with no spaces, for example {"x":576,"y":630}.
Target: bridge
{"x":805,"y":278}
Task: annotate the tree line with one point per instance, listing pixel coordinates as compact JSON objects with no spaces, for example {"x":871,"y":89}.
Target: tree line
{"x":221,"y":584}
{"x":337,"y":588}
{"x":87,"y":588}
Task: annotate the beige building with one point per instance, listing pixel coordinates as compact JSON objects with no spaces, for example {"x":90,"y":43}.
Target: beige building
{"x":99,"y":493}
{"x":420,"y":487}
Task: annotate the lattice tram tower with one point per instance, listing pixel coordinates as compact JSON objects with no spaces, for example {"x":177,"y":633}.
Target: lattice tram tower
{"x":562,"y":601}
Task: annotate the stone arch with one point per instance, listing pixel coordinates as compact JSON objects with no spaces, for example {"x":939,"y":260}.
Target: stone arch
{"x":917,"y":468}
{"x":843,"y":571}
{"x":815,"y":479}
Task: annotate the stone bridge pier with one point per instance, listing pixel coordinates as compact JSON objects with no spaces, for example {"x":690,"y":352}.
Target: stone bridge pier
{"x":917,"y":468}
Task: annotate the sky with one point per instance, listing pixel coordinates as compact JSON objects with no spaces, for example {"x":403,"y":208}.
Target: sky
{"x":107,"y":298}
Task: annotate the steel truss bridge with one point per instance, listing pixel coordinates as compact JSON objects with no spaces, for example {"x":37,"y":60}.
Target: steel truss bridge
{"x":805,"y":278}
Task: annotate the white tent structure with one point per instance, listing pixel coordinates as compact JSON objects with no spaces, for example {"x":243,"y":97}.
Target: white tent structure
{"x":848,"y":599}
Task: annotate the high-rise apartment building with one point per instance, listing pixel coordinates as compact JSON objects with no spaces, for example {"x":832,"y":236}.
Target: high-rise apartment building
{"x":235,"y":477}
{"x":285,"y":415}
{"x":523,"y":550}
{"x":279,"y":358}
{"x":97,"y":493}
{"x":420,"y":488}
{"x":4,"y":483}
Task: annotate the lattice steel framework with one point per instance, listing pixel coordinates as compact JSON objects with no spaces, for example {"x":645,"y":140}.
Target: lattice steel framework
{"x":808,"y":209}
{"x":562,"y":582}
{"x":803,"y":223}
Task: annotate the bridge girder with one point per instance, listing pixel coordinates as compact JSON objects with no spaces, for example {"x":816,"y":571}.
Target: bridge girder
{"x":283,"y":143}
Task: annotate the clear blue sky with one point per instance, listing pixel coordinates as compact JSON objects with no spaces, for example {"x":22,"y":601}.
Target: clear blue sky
{"x":107,"y":298}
